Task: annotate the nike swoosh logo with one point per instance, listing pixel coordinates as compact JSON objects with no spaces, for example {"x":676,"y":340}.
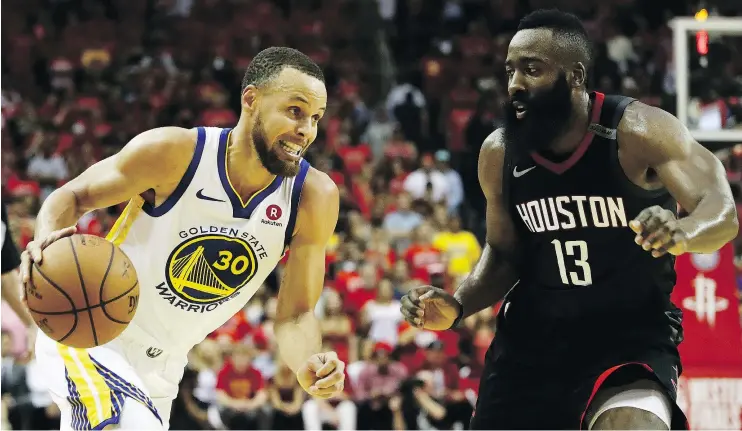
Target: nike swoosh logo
{"x":517,"y":174}
{"x":200,"y":195}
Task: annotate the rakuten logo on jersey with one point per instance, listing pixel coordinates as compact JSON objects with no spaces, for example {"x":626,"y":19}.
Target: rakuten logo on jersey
{"x":273,"y":213}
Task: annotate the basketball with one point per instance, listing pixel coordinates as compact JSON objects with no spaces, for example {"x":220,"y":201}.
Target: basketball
{"x":85,"y":291}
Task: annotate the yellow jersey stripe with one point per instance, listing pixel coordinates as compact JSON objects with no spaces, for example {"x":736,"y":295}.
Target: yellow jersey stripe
{"x":123,"y":224}
{"x":93,"y":391}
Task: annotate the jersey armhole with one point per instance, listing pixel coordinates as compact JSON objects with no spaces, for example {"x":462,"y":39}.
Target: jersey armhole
{"x":185,"y":181}
{"x":624,"y":181}
{"x":506,"y":165}
{"x":296,"y":190}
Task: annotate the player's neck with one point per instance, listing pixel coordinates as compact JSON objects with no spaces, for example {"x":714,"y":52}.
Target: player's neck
{"x":568,"y":141}
{"x":245,"y":171}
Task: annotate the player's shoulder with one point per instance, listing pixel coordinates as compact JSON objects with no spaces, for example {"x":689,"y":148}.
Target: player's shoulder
{"x":164,"y":150}
{"x":494,"y":143}
{"x":492,"y":161}
{"x":652,"y":133}
{"x":638,"y":118}
{"x":492,"y":154}
{"x":318,"y":207}
{"x":162,"y":144}
{"x":165,"y":139}
{"x":319,"y":188}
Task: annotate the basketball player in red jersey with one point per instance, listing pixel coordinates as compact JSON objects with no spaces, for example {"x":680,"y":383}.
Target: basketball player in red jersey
{"x":582,"y":191}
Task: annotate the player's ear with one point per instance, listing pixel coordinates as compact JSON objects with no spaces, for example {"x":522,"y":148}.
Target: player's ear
{"x":579,"y":75}
{"x":249,"y":98}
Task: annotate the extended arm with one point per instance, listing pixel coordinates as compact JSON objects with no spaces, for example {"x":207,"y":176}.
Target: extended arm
{"x":495,"y":272}
{"x":155,"y":159}
{"x":297,"y":330}
{"x":691,"y":173}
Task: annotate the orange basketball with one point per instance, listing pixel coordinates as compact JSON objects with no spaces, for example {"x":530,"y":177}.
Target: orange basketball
{"x":84,"y":293}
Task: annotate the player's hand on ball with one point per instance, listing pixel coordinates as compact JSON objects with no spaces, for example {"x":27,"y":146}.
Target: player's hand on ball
{"x":323,"y":375}
{"x":657,"y":229}
{"x":33,"y":252}
{"x":430,"y":308}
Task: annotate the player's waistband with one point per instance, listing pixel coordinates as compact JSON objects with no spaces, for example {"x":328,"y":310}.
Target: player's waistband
{"x":156,"y":346}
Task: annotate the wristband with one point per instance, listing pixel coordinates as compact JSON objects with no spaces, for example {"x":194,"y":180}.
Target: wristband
{"x":460,"y":316}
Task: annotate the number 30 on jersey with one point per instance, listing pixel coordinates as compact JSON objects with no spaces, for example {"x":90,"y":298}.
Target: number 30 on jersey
{"x":578,"y":250}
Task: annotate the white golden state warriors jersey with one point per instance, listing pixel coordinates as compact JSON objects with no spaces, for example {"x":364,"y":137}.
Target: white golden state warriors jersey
{"x":203,"y":253}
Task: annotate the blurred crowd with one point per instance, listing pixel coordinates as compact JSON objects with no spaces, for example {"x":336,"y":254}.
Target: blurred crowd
{"x":414,"y":89}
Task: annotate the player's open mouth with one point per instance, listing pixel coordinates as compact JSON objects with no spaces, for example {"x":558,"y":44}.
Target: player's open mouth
{"x":292,"y":150}
{"x":520,"y":110}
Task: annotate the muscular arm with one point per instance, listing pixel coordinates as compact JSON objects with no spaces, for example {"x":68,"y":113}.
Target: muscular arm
{"x":297,"y":330}
{"x":495,"y":272}
{"x":155,"y":159}
{"x":691,"y":173}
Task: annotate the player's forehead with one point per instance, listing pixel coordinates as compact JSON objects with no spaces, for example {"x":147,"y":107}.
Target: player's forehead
{"x":296,"y":86}
{"x":532,"y":44}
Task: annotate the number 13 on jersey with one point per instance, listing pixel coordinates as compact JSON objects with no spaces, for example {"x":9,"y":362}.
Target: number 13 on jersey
{"x":577,"y":249}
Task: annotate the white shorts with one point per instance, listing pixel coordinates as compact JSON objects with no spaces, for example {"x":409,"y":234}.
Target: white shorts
{"x":93,"y":386}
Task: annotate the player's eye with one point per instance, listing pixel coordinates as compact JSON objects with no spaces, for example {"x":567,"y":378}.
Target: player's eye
{"x":295,"y":111}
{"x":509,"y":72}
{"x":531,"y":70}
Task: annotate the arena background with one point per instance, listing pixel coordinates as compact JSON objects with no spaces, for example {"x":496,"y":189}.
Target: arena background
{"x":415,"y":86}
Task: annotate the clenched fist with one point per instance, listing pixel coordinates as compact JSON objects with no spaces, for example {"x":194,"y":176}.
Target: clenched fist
{"x":323,"y":375}
{"x":430,"y":308}
{"x":658,"y":230}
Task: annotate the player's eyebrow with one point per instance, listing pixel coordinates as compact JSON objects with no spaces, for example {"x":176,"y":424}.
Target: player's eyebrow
{"x":302,"y":99}
{"x":525,"y":59}
{"x":299,"y":99}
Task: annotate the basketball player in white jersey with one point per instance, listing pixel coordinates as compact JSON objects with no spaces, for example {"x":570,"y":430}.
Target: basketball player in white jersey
{"x":211,"y":212}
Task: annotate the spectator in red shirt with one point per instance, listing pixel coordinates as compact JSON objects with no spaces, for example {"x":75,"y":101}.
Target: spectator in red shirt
{"x":219,"y":114}
{"x":358,"y":288}
{"x":20,"y":185}
{"x":286,"y":398}
{"x":240,"y":392}
{"x":354,"y":157}
{"x":446,"y":372}
{"x":377,"y":383}
{"x":379,"y":251}
{"x":337,"y":328}
{"x":399,"y":147}
{"x":445,"y":385}
{"x":423,"y":259}
{"x":234,"y":330}
{"x":398,"y":175}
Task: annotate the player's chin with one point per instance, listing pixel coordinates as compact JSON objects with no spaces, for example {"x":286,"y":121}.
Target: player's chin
{"x":283,"y":166}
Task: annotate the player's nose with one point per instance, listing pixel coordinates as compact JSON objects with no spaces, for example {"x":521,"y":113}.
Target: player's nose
{"x":516,"y":84}
{"x":304,"y":129}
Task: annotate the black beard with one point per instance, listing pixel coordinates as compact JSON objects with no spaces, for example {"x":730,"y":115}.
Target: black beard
{"x":547,"y":117}
{"x":268,"y":156}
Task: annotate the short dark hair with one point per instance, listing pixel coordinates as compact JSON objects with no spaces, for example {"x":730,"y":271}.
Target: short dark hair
{"x":271,"y":61}
{"x":566,"y":26}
